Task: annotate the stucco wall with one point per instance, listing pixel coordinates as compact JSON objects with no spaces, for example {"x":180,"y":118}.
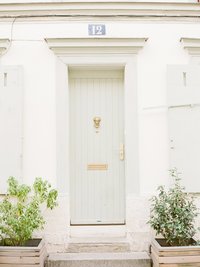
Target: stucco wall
{"x":29,"y":50}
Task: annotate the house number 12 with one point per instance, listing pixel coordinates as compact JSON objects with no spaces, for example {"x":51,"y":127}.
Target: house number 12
{"x":96,"y":29}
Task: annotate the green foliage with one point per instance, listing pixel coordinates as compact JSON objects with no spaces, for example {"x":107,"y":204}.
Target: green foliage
{"x":20,"y":212}
{"x":173,"y":213}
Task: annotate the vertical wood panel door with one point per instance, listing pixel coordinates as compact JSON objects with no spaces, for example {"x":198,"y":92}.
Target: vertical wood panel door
{"x":97,"y":183}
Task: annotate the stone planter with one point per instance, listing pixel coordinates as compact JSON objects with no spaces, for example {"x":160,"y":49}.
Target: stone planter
{"x":32,"y":254}
{"x":166,"y":256}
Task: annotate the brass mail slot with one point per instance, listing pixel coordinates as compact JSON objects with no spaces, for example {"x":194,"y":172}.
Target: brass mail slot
{"x":97,"y":167}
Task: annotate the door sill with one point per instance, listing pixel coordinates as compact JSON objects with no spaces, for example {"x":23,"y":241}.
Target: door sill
{"x":98,"y":230}
{"x":95,"y":224}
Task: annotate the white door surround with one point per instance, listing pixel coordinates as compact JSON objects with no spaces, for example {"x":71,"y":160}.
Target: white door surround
{"x":98,"y":52}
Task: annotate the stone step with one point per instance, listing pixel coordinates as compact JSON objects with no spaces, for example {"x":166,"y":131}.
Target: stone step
{"x":126,"y":259}
{"x":92,"y":245}
{"x":98,"y":247}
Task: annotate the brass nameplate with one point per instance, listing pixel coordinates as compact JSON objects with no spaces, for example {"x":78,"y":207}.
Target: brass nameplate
{"x":97,"y":167}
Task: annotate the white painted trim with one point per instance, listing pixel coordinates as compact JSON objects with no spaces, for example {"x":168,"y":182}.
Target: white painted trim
{"x":192,"y":45}
{"x":68,"y":46}
{"x":95,"y":8}
{"x":4,"y":44}
{"x":98,"y":58}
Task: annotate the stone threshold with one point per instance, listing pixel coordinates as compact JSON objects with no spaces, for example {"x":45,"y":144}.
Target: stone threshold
{"x":98,"y":245}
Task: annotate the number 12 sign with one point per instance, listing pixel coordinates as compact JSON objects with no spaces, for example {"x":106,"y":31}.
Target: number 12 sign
{"x":96,"y":29}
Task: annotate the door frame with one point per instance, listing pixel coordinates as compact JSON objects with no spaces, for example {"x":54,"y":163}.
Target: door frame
{"x":99,"y":52}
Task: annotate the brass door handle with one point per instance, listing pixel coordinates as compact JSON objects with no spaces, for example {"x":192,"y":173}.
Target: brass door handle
{"x":121,"y":151}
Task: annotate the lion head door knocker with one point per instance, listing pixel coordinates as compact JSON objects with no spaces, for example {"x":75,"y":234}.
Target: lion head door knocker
{"x":97,"y":121}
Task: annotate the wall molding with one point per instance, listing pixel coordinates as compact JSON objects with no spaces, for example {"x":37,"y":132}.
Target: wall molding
{"x":66,"y":46}
{"x":192,"y":45}
{"x":82,"y":9}
{"x":4,"y":44}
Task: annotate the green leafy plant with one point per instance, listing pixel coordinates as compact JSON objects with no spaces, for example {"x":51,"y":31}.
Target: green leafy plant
{"x":20,"y":210}
{"x":173,"y":213}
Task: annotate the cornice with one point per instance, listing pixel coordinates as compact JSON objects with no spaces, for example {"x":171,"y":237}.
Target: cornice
{"x":66,"y":46}
{"x":192,"y":45}
{"x":4,"y":44}
{"x":100,"y":8}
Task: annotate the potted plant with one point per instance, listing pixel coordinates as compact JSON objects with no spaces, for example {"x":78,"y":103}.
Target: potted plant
{"x":173,"y":214}
{"x":20,"y":216}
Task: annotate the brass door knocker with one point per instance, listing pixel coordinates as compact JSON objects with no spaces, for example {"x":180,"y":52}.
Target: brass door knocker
{"x":97,"y":121}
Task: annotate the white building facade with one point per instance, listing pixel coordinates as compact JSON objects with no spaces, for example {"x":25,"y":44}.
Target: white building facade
{"x":102,"y":99}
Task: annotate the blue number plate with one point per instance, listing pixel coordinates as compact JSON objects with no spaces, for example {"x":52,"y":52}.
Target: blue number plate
{"x":96,"y":29}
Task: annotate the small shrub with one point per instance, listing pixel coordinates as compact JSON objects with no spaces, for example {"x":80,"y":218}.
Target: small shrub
{"x":173,"y":213}
{"x":20,"y":212}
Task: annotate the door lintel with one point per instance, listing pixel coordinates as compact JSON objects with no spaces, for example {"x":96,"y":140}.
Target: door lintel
{"x":69,"y":46}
